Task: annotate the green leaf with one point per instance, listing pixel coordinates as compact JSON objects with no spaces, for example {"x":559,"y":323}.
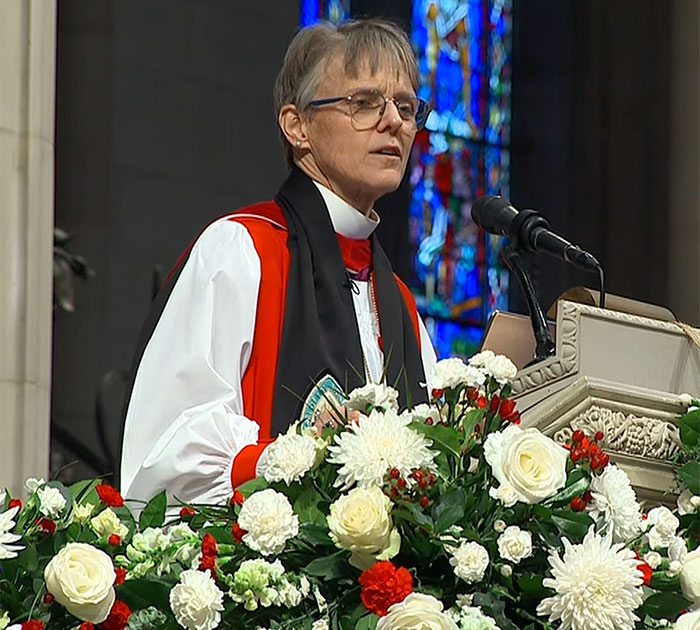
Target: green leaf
{"x":28,"y":559}
{"x":577,"y":484}
{"x":690,"y":428}
{"x":444,"y":438}
{"x":449,"y":508}
{"x":144,"y":593}
{"x":153,"y":514}
{"x":572,"y":525}
{"x":306,"y":507}
{"x":368,"y":622}
{"x":314,"y":534}
{"x":664,"y":605}
{"x":662,"y":581}
{"x":249,"y":487}
{"x":531,"y":585}
{"x":329,"y":567}
{"x":690,"y":475}
{"x":418,"y":515}
{"x":223,"y":535}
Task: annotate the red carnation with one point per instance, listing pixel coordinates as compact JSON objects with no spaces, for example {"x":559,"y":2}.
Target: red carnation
{"x":238,"y":532}
{"x":86,"y":625}
{"x":119,"y":575}
{"x":109,"y":495}
{"x":208,"y":563}
{"x":383,"y":585}
{"x":209,"y":546}
{"x":46,"y":525}
{"x":32,"y":624}
{"x":647,"y":572}
{"x":118,"y":617}
{"x":14,"y":503}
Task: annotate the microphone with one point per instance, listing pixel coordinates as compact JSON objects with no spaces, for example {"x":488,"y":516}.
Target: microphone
{"x":528,"y":230}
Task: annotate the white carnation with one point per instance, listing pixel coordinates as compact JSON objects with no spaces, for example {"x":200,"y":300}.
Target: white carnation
{"x":289,"y":458}
{"x":597,"y":584}
{"x":454,"y":373}
{"x":423,"y":411}
{"x":269,"y":521}
{"x":653,"y":559}
{"x":662,"y":525}
{"x":614,"y":504}
{"x":480,"y":359}
{"x":375,"y":394}
{"x":500,"y":367}
{"x":469,"y":561}
{"x":688,"y":503}
{"x":197,"y":601}
{"x":51,"y":501}
{"x":370,"y":448}
{"x":515,"y":544}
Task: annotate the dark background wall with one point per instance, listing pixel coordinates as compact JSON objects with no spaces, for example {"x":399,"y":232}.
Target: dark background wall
{"x":165,"y":121}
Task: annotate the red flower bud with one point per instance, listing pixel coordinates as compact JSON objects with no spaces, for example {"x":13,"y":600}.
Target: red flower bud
{"x":237,"y":498}
{"x":575,"y":454}
{"x":186,"y":510}
{"x":604,"y":460}
{"x":423,"y":483}
{"x":119,"y":575}
{"x":595,"y":462}
{"x":401,"y":482}
{"x":494,"y":404}
{"x":598,"y":436}
{"x":48,"y":599}
{"x":481,"y":402}
{"x":578,"y":504}
{"x":114,"y":540}
{"x":429,"y":421}
{"x":507,"y":410}
{"x":472,"y":393}
{"x":238,"y":532}
{"x":209,"y":545}
{"x":417,"y":474}
{"x":438,"y":393}
{"x":424,"y":502}
{"x":46,"y":525}
{"x":394,"y":473}
{"x":587,"y":496}
{"x":578,"y":436}
{"x":14,"y":503}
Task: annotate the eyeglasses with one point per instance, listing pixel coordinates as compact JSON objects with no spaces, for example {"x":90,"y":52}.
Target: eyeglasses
{"x":367,"y":108}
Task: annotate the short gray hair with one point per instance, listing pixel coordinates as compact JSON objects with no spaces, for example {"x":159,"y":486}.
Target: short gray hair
{"x":376,"y":42}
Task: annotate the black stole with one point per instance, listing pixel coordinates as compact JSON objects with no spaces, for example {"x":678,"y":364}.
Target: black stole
{"x":320,"y":333}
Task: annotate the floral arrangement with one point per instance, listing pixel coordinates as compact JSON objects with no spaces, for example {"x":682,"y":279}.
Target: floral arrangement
{"x":445,"y":516}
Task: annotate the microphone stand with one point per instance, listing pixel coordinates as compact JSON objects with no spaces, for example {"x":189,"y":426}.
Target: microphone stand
{"x":545,"y":345}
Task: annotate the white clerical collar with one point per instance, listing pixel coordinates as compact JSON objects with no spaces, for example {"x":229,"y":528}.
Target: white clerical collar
{"x":347,"y":220}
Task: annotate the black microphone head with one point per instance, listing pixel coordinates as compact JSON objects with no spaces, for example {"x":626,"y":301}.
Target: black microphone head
{"x":493,"y":214}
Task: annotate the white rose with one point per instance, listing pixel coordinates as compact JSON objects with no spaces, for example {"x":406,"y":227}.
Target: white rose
{"x":533,"y":464}
{"x":416,"y":612}
{"x":269,"y":521}
{"x":690,"y":577}
{"x":375,"y":394}
{"x":662,"y":524}
{"x":289,"y":458}
{"x":515,"y":544}
{"x":500,"y":367}
{"x":506,"y":570}
{"x":469,"y":561}
{"x":499,"y":526}
{"x":107,"y":523}
{"x":653,"y":559}
{"x":361,"y":522}
{"x":455,"y":372}
{"x":687,"y":502}
{"x":80,"y":577}
{"x":51,"y":501}
{"x":505,"y":493}
{"x":688,"y":621}
{"x":197,"y":601}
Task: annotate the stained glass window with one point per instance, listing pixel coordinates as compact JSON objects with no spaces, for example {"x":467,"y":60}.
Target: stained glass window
{"x":463,"y":50}
{"x":335,"y":11}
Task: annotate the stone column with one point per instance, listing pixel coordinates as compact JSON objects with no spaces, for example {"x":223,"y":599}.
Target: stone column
{"x":684,"y":163}
{"x":27,"y":95}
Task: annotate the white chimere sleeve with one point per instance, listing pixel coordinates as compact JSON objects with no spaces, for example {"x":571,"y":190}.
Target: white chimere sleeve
{"x":185,"y":423}
{"x":427,"y":352}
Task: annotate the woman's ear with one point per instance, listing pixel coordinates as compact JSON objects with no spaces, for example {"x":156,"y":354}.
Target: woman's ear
{"x":293,"y":127}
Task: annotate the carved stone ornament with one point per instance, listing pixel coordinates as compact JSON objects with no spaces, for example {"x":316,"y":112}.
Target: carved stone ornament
{"x":632,"y":435}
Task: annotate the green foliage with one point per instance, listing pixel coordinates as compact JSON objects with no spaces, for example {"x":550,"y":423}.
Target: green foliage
{"x":153,"y":515}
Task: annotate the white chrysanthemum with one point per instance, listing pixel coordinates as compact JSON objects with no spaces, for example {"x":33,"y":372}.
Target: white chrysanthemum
{"x":598,"y":585}
{"x":515,"y":544}
{"x":51,"y":501}
{"x":469,"y":561}
{"x":500,"y":367}
{"x":453,"y":373}
{"x":375,"y":394}
{"x":374,"y":445}
{"x":289,"y":458}
{"x":614,"y":503}
{"x":662,"y":525}
{"x":269,"y":521}
{"x":197,"y":601}
{"x":7,"y":548}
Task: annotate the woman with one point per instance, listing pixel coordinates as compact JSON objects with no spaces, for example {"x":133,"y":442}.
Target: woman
{"x":278,"y":295}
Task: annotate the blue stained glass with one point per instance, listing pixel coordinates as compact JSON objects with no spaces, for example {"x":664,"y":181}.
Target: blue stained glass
{"x":463,"y":53}
{"x":335,"y":11}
